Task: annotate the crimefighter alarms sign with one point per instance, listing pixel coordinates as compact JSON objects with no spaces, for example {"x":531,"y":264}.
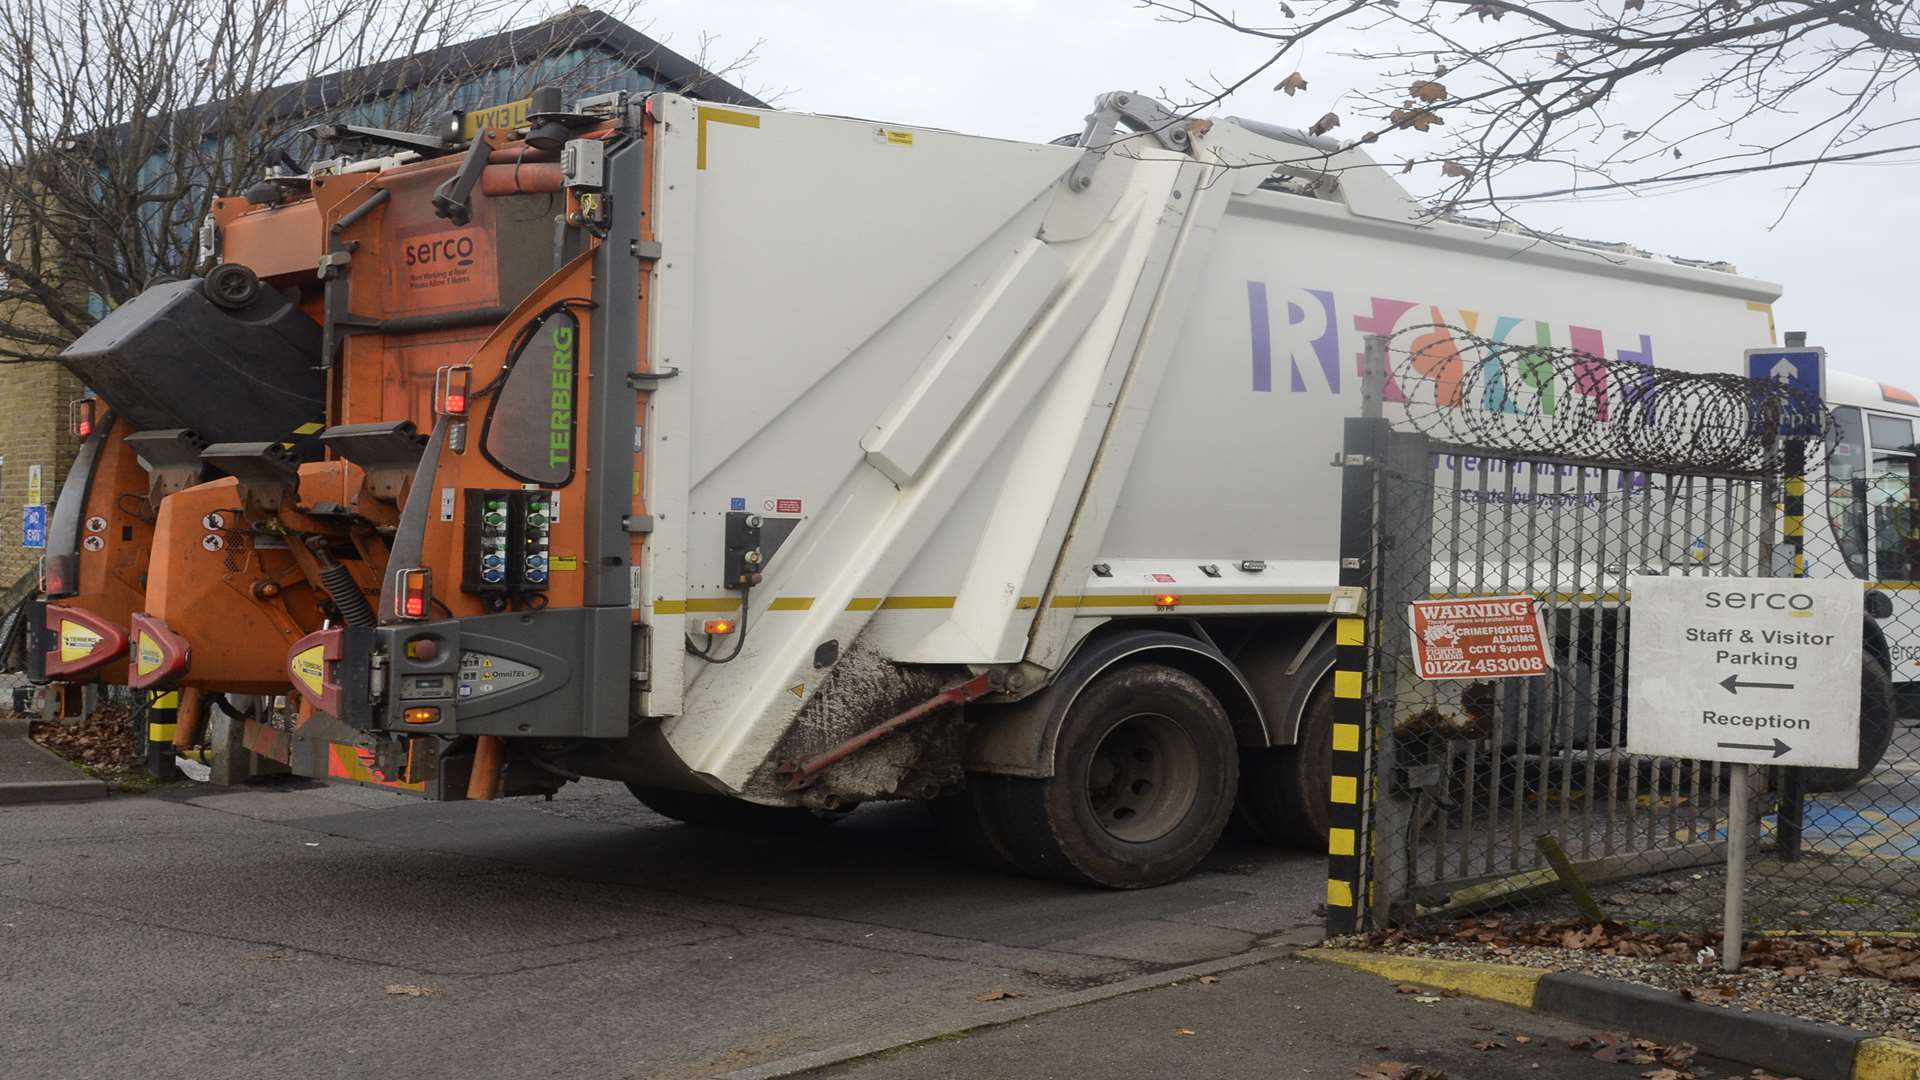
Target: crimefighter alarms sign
{"x":1479,"y":637}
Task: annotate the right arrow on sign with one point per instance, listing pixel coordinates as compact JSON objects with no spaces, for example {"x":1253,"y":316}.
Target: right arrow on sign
{"x":1776,"y":749}
{"x":1733,"y":684}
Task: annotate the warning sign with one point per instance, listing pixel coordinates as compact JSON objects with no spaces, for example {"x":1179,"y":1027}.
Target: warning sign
{"x":1479,"y":637}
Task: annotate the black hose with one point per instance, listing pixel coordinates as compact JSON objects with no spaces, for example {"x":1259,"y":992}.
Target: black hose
{"x":354,"y":609}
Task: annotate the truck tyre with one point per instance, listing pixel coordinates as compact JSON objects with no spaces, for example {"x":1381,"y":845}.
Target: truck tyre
{"x":1145,"y":769}
{"x":1876,"y":732}
{"x":969,"y":823}
{"x":733,"y":815}
{"x":1283,"y":791}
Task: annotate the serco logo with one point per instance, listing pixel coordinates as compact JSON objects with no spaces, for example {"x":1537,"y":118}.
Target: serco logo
{"x":1753,"y":601}
{"x":441,"y":249}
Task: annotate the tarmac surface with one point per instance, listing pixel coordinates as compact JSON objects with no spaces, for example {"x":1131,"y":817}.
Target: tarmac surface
{"x":309,"y":931}
{"x":201,"y":932}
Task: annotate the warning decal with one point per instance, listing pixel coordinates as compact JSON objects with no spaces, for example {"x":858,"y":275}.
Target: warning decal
{"x":1479,"y":637}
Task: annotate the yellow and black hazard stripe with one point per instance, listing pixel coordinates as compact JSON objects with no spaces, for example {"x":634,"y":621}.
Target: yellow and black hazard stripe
{"x":1793,"y":515}
{"x":1345,"y":818}
{"x":1350,"y":789}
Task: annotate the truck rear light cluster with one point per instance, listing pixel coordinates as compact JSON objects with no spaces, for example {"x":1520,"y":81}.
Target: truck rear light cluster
{"x":509,"y":541}
{"x":453,"y":390}
{"x":81,"y":413}
{"x":413,"y":592}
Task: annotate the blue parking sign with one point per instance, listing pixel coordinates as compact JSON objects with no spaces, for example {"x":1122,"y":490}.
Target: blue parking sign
{"x":33,"y":527}
{"x":1802,"y":369}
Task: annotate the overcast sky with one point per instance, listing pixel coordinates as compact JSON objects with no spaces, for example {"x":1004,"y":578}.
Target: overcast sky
{"x":1848,"y":255}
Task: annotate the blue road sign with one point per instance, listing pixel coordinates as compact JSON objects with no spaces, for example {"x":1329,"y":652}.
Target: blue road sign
{"x":1803,"y":369}
{"x":33,"y":527}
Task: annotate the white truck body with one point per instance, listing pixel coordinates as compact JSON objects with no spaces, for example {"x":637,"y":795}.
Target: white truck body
{"x":969,"y":383}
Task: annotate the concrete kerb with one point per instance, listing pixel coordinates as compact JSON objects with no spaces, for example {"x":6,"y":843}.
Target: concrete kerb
{"x":1276,"y":948}
{"x":1781,"y":1044}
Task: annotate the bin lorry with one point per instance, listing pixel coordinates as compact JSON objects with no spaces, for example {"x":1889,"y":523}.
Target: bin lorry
{"x":772,"y":463}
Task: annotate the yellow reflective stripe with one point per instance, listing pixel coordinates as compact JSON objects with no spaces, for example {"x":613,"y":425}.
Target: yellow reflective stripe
{"x":1794,"y":525}
{"x":308,"y":428}
{"x":1194,"y":601}
{"x":167,"y":700}
{"x":669,"y":607}
{"x":160,"y":732}
{"x":1346,"y":684}
{"x":916,"y":603}
{"x":1346,"y":789}
{"x":1339,"y":893}
{"x":1028,"y":602}
{"x":1339,"y":841}
{"x":1796,"y":486}
{"x":708,"y":114}
{"x":791,"y":603}
{"x":1346,"y":736}
{"x":1350,"y":632}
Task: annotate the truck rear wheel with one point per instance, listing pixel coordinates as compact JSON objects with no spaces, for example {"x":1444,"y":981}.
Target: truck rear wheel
{"x":1876,"y":732}
{"x":733,"y":815}
{"x":1283,"y":791}
{"x":1144,"y":774}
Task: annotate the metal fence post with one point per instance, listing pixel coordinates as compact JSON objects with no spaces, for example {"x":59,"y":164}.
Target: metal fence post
{"x":1349,"y":837}
{"x":1793,"y":785}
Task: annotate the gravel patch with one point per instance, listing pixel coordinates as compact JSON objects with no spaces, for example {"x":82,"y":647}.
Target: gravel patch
{"x":1868,"y":1004}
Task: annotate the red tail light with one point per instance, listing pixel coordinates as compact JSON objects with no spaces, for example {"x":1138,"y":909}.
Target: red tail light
{"x":81,"y":412}
{"x":413,"y":593}
{"x":453,"y":390}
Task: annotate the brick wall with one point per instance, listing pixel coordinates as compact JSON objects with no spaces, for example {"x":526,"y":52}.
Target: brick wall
{"x":33,"y":431}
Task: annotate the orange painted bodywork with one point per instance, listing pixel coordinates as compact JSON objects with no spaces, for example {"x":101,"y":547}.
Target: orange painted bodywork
{"x":241,"y":587}
{"x":112,"y":577}
{"x":241,"y":599}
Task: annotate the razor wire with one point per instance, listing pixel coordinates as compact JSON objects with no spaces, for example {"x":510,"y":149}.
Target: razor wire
{"x":1544,"y":400}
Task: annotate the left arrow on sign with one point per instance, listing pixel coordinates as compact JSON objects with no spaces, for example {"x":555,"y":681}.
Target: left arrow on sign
{"x":1732,"y":684}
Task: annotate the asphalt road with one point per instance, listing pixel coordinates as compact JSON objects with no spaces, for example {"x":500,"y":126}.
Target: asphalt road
{"x":207,"y":933}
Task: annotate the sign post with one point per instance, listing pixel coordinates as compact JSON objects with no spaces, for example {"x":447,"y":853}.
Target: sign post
{"x":1745,"y":671}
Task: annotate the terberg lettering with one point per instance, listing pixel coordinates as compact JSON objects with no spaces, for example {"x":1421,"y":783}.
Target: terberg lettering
{"x":560,"y":428}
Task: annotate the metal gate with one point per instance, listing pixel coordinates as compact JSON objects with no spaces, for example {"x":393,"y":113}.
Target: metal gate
{"x":1553,"y":476}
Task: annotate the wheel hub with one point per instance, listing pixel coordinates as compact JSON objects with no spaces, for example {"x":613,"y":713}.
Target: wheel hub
{"x":1142,"y":778}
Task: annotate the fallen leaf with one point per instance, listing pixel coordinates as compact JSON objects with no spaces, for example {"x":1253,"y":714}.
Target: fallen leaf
{"x":1794,"y":972}
{"x":1293,"y":84}
{"x":1406,"y":988}
{"x":1209,"y":980}
{"x":1523,"y":1039}
{"x":1183,"y":1032}
{"x":1427,"y":999}
{"x":409,"y":990}
{"x":1449,"y":993}
{"x":1485,"y":1045}
{"x":1666,"y":1074}
{"x":997,"y":995}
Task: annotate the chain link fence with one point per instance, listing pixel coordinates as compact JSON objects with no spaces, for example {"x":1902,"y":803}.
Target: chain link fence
{"x":1556,"y":477}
